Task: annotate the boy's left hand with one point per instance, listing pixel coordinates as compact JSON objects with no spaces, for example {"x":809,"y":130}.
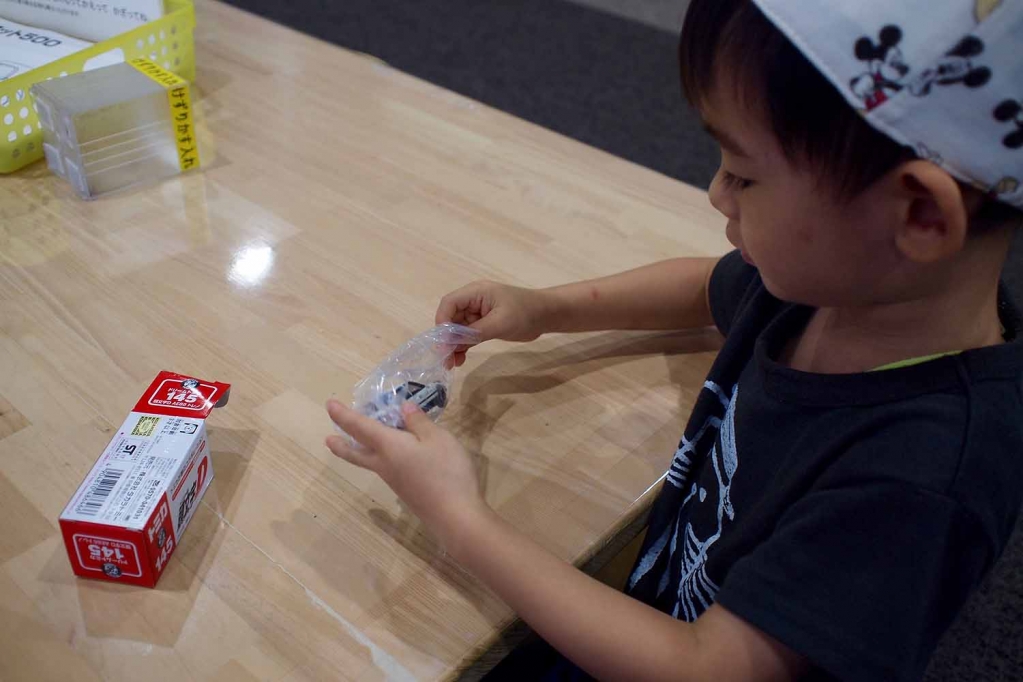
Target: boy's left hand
{"x":424,"y":465}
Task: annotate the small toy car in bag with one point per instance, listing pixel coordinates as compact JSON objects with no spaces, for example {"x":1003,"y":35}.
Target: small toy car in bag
{"x":415,"y":372}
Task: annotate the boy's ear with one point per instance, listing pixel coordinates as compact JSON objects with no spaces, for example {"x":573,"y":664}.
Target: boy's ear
{"x":933,"y":218}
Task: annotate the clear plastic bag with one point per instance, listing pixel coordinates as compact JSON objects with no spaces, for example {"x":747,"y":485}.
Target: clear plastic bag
{"x":416,"y":372}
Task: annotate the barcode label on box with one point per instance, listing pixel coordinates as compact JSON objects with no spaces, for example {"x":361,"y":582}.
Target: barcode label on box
{"x":97,"y":495}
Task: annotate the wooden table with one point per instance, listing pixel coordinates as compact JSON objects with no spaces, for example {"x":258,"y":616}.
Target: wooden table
{"x":344,"y":200}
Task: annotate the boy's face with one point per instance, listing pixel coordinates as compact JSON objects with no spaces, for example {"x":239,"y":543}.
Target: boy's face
{"x":809,"y":247}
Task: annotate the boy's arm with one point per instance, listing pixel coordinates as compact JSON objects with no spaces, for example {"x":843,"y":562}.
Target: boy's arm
{"x":670,"y":294}
{"x":607,"y":633}
{"x":611,"y":635}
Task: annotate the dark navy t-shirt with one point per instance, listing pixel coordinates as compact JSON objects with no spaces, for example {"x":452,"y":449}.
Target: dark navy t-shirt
{"x":847,"y":516}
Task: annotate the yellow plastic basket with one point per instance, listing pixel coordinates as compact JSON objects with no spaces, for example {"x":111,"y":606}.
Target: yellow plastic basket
{"x":168,"y":41}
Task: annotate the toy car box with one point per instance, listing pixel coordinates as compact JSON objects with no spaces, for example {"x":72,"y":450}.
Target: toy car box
{"x":128,"y":515}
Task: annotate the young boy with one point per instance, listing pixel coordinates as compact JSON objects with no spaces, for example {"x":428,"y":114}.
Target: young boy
{"x":854,"y":464}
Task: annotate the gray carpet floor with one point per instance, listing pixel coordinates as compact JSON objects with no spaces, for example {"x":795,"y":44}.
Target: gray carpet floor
{"x":665,"y":15}
{"x":604,"y":72}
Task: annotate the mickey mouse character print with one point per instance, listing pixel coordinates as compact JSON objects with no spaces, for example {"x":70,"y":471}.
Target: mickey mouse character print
{"x":955,"y":67}
{"x":885,"y":64}
{"x":1011,"y":111}
{"x":944,"y":79}
{"x":887,"y":68}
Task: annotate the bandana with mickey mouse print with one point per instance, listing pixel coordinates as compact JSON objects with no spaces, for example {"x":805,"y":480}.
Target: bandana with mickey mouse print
{"x":945,"y":78}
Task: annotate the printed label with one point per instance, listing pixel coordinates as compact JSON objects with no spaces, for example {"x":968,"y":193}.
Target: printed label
{"x":183,"y":395}
{"x":145,"y":426}
{"x":135,"y":470}
{"x":126,"y":448}
{"x":31,"y":37}
{"x":160,"y":535}
{"x":113,"y":558}
{"x":180,"y":101}
{"x":190,"y":489}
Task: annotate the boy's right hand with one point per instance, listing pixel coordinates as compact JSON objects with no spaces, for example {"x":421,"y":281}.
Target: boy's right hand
{"x":497,"y":311}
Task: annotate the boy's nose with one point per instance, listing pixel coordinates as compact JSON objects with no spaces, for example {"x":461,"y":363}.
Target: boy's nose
{"x":721,"y":198}
{"x":732,"y":233}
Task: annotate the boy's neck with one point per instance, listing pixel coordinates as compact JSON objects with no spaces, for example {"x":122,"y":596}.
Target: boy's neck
{"x":848,"y":340}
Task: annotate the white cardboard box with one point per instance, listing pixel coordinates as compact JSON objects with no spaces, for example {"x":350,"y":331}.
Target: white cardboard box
{"x":93,"y":20}
{"x":23,"y":48}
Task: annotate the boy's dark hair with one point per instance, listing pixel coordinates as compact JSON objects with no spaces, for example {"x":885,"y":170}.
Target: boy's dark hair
{"x":810,"y":118}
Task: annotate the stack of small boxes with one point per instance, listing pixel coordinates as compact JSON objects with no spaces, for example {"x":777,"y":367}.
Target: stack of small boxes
{"x":114,"y":127}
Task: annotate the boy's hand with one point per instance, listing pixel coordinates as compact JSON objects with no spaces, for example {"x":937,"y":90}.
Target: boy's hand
{"x":424,"y":465}
{"x":497,"y":311}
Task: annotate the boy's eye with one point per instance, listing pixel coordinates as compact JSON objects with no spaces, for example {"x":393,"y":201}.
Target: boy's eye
{"x":734,"y":181}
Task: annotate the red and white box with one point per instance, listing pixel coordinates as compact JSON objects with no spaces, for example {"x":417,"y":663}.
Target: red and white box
{"x":127,"y":516}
